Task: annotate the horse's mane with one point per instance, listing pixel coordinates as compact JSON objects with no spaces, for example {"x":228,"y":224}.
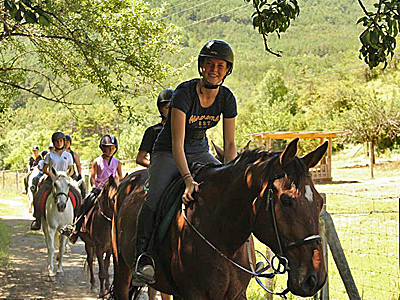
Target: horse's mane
{"x":264,"y":159}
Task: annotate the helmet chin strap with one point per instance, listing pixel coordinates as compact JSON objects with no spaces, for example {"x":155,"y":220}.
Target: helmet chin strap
{"x":210,"y":86}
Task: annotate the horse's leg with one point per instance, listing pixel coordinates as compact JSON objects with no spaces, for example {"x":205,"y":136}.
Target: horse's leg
{"x":106,"y":267}
{"x":100,"y":260}
{"x":89,"y":259}
{"x":50,"y":250}
{"x":122,"y":279}
{"x":63,"y":241}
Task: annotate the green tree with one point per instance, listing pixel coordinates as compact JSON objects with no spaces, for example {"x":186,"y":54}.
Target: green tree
{"x":51,"y":48}
{"x":378,"y":38}
{"x":372,"y":119}
{"x":273,"y":108}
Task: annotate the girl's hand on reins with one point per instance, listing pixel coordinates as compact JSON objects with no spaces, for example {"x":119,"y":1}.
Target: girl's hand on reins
{"x":191,"y":186}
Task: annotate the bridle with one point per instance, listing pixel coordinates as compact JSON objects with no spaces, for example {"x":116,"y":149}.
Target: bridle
{"x":282,"y":262}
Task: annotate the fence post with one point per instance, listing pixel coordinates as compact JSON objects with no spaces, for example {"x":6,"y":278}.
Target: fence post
{"x":340,"y":258}
{"x":324,"y":294}
{"x":16,"y":179}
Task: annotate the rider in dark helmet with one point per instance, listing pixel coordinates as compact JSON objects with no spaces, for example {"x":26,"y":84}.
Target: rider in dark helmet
{"x":102,"y":167}
{"x":151,"y":133}
{"x":34,"y":160}
{"x":35,"y":180}
{"x":61,"y":161}
{"x":196,"y":106}
{"x":215,"y":49}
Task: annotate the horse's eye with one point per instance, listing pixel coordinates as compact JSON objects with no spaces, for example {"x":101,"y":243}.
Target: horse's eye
{"x":286,"y":200}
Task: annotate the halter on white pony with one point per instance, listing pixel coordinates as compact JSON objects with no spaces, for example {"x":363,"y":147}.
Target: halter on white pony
{"x":58,"y":212}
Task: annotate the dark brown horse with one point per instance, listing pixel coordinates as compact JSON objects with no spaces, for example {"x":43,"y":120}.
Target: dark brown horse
{"x":269,"y":194}
{"x":97,"y":238}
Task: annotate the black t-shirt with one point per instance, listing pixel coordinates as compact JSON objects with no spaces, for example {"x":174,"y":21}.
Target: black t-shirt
{"x":149,"y":137}
{"x":198,"y":118}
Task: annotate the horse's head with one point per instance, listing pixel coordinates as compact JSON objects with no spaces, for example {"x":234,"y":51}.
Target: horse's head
{"x":60,"y":189}
{"x":288,"y":199}
{"x":107,"y":196}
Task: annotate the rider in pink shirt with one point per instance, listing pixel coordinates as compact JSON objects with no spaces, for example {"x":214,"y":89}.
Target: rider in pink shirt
{"x":102,"y":168}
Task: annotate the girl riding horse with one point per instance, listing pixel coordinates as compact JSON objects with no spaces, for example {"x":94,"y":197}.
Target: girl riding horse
{"x":196,"y":106}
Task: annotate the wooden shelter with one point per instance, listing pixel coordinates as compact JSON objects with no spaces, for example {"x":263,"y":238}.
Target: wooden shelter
{"x":322,"y":171}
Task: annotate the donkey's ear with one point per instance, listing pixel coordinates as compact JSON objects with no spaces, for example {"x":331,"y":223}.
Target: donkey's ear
{"x":312,"y":158}
{"x":289,"y":153}
{"x":219,"y":151}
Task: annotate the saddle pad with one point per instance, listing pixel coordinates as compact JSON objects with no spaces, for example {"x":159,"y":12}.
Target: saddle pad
{"x":47,"y":192}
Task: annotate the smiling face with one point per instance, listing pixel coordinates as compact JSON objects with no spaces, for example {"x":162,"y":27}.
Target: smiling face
{"x":214,"y":70}
{"x":59,"y":143}
{"x":108,"y":150}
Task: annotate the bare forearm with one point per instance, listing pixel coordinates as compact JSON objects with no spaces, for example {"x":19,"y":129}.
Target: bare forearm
{"x":180,"y":160}
{"x":230,"y":152}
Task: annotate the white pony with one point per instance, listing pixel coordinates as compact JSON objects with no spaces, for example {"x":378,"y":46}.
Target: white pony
{"x":59,"y":211}
{"x":35,"y":171}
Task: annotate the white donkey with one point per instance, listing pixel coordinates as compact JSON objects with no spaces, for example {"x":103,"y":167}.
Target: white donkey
{"x":59,"y":211}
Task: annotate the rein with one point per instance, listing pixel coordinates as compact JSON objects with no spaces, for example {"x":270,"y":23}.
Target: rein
{"x":283,"y":262}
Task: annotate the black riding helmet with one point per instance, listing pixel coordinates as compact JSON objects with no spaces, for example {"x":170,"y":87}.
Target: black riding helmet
{"x":43,"y":154}
{"x":108,"y":140}
{"x":164,"y":97}
{"x":35,"y":147}
{"x":68,"y":138}
{"x":57,"y":135}
{"x":216,"y":49}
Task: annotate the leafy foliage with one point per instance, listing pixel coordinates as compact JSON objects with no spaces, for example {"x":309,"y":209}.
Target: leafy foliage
{"x":115,"y":46}
{"x":379,"y":37}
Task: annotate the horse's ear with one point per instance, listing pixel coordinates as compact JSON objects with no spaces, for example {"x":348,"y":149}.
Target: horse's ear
{"x":289,"y":153}
{"x":53,"y":171}
{"x":245,"y":148}
{"x":111,"y":180}
{"x":312,"y":158}
{"x":220,"y":152}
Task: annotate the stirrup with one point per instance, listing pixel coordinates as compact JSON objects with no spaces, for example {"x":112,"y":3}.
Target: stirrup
{"x":145,"y":274}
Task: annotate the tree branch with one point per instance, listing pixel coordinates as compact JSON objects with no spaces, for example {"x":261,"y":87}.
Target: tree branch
{"x":41,"y":96}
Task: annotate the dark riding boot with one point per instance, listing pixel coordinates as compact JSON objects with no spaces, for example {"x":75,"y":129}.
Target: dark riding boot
{"x":144,"y":269}
{"x":36,"y":224}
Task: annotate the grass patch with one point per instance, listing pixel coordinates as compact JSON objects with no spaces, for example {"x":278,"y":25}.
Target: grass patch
{"x":5,"y":237}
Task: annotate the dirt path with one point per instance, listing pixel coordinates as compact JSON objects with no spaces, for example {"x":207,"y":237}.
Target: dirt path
{"x":26,"y":275}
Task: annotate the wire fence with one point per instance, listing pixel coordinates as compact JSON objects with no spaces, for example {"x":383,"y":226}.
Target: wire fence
{"x":368,"y":231}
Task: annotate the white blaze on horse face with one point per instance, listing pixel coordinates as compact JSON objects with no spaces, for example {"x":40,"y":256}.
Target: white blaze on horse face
{"x":309,"y":193}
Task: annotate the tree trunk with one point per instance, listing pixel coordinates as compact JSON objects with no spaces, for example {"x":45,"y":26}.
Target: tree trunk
{"x":371,"y":158}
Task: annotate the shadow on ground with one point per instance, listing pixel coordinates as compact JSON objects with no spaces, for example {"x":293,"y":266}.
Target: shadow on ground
{"x":25,"y":276}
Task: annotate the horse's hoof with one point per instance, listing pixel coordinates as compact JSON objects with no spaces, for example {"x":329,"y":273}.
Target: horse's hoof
{"x":93,"y":286}
{"x":51,"y":278}
{"x":60,"y":274}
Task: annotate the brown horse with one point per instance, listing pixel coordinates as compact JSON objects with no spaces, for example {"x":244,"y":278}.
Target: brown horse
{"x":269,"y":194}
{"x":97,"y":238}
